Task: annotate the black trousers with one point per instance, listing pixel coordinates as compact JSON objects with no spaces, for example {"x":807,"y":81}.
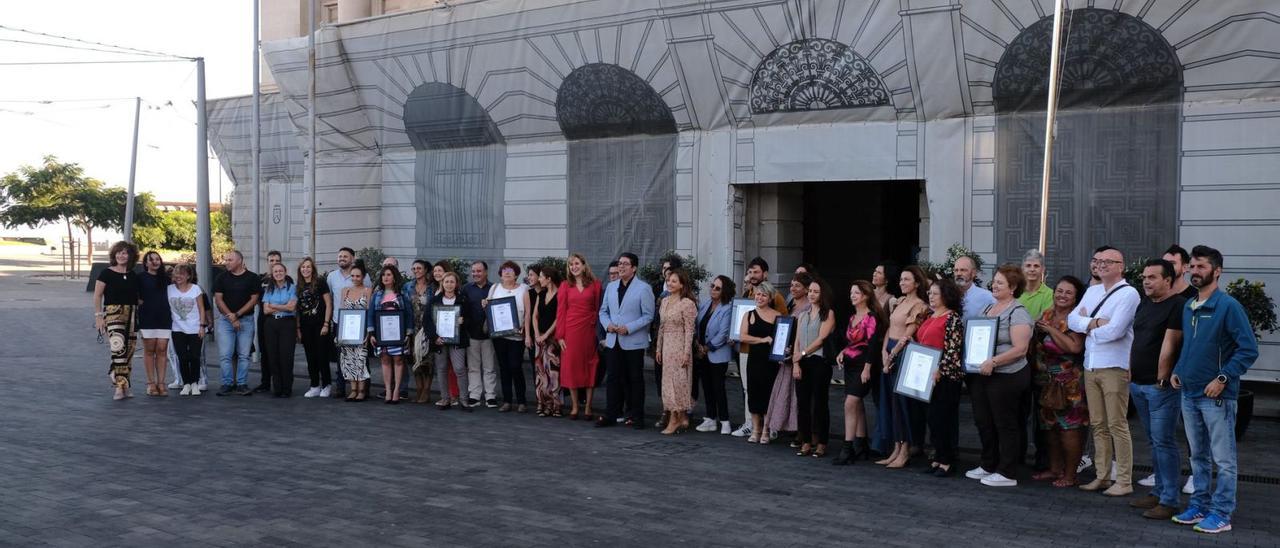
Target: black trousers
{"x":264,"y":360}
{"x":625,"y":383}
{"x":711,"y":377}
{"x":332,"y":351}
{"x":1028,"y":413}
{"x":996,"y":401}
{"x":813,"y":394}
{"x":944,"y":421}
{"x":510,"y":356}
{"x":187,"y":347}
{"x":316,"y":347}
{"x":280,"y":339}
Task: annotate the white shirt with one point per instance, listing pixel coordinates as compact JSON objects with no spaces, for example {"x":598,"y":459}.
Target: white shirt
{"x":338,"y":282}
{"x":183,"y":308}
{"x":496,"y":291}
{"x":1107,"y":346}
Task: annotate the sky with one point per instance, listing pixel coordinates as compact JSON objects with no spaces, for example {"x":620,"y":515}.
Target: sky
{"x":90,"y":121}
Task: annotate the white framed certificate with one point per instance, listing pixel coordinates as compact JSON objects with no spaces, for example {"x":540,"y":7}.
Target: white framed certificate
{"x":740,"y":309}
{"x":979,"y":342}
{"x":350,"y":326}
{"x":503,"y":317}
{"x":782,"y":338}
{"x":447,"y":319}
{"x":390,"y":328}
{"x":915,"y":376}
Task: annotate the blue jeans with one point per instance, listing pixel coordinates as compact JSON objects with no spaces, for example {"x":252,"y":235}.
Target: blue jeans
{"x":1211,"y":433}
{"x":1158,"y":410}
{"x":232,"y":342}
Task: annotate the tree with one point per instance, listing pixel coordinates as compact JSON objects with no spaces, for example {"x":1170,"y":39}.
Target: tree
{"x":60,"y":192}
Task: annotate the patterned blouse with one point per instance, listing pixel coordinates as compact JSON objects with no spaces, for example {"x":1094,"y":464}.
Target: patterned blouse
{"x":859,"y":336}
{"x":952,"y":344}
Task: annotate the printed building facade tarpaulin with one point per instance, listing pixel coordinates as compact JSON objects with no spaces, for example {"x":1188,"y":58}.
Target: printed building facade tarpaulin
{"x":515,"y":129}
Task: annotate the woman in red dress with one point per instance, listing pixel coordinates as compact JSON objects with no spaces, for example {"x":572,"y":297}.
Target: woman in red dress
{"x":576,"y":320}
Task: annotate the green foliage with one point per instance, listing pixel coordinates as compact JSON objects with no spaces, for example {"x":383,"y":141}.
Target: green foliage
{"x":149,"y":237}
{"x":652,"y":273}
{"x":461,"y":267}
{"x":946,"y":268}
{"x":559,"y":263}
{"x":371,"y":257}
{"x":1259,"y":306}
{"x":1133,"y":272}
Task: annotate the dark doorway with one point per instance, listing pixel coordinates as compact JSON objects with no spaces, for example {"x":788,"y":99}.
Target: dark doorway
{"x":849,"y":228}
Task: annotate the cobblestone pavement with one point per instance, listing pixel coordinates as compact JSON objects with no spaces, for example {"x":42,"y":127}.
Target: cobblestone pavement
{"x":77,"y":469}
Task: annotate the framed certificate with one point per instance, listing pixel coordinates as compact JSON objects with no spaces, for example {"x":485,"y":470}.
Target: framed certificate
{"x":740,"y":309}
{"x":979,"y":342}
{"x":782,"y":331}
{"x":504,"y":317}
{"x":447,"y":319}
{"x":351,"y":329}
{"x":389,"y":328}
{"x":915,"y":378}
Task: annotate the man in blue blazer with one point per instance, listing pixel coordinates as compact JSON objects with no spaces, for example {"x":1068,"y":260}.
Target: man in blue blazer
{"x":625,"y":314}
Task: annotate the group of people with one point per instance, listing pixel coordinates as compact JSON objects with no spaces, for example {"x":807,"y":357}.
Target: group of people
{"x":1066,"y":356}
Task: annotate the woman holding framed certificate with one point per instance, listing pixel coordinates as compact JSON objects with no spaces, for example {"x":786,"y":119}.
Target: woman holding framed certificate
{"x":859,"y":357}
{"x":944,"y":331}
{"x":390,"y":321}
{"x":757,"y":330}
{"x":443,"y":322}
{"x":896,"y":425}
{"x":996,"y":390}
{"x":353,"y":359}
{"x":509,"y":348}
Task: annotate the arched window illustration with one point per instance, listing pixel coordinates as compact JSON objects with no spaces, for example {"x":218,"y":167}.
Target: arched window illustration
{"x":815,"y":74}
{"x":622,"y":147}
{"x":459,"y":169}
{"x":1115,"y":166}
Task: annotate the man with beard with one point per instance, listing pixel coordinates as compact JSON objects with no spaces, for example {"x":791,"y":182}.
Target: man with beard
{"x":1157,"y":334}
{"x":1218,"y":347}
{"x":1180,"y":258}
{"x":976,"y":298}
{"x":339,"y":280}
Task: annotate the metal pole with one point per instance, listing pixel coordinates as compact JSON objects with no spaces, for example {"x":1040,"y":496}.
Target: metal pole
{"x":1050,"y":117}
{"x":133,"y":172}
{"x":204,"y":245}
{"x":256,"y":146}
{"x":311,"y":125}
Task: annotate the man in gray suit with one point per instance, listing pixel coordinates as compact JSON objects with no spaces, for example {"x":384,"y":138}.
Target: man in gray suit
{"x":625,"y":314}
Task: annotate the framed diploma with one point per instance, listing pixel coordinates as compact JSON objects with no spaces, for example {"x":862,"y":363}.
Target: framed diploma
{"x":504,"y":317}
{"x":351,"y":330}
{"x":740,"y":309}
{"x":782,"y":331}
{"x":389,"y":328}
{"x":915,"y":378}
{"x":447,"y":320}
{"x":979,"y":342}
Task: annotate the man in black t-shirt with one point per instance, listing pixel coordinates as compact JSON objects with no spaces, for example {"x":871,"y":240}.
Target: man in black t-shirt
{"x":1157,"y":338}
{"x":235,"y":293}
{"x":1180,"y":259}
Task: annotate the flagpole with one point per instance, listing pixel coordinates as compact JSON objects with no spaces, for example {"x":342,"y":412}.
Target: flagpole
{"x":1050,"y":118}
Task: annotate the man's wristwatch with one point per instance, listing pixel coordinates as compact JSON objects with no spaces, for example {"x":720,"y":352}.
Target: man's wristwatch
{"x":1221,"y":378}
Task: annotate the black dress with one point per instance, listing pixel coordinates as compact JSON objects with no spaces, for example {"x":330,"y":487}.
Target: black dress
{"x":761,"y":371}
{"x":153,"y":313}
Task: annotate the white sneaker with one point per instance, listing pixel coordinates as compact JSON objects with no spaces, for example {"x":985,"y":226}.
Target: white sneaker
{"x":726,"y":428}
{"x":1149,"y":481}
{"x":324,"y":392}
{"x":186,"y":390}
{"x":176,"y":384}
{"x":202,"y":386}
{"x":997,"y":480}
{"x":708,"y":425}
{"x":977,"y":473}
{"x":743,"y":431}
{"x":1189,"y":487}
{"x":312,"y":392}
{"x":195,"y":390}
{"x":1085,"y":462}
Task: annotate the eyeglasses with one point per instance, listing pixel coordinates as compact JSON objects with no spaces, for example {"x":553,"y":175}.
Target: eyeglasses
{"x":716,"y":288}
{"x":1104,"y":262}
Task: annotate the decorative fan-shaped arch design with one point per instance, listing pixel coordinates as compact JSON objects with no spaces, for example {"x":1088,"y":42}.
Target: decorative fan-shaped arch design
{"x":1110,"y":57}
{"x":604,"y":100}
{"x":815,"y":74}
{"x":438,"y":115}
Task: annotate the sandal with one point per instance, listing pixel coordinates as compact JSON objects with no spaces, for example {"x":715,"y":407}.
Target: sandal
{"x":1064,"y":482}
{"x":804,"y":450}
{"x":1046,"y":475}
{"x":820,"y":451}
{"x":556,"y":413}
{"x":753,"y":439}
